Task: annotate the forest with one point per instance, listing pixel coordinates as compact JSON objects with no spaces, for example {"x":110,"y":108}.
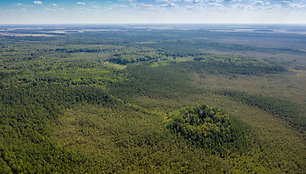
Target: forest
{"x":145,"y":100}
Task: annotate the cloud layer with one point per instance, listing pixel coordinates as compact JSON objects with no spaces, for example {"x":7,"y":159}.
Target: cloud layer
{"x":155,"y":11}
{"x":38,"y":2}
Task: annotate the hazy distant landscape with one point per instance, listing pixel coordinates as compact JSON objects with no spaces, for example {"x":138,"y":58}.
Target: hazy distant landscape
{"x":152,"y":98}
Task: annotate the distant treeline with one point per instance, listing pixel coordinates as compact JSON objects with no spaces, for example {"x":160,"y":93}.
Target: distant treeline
{"x":218,"y":64}
{"x":197,"y":46}
{"x":202,"y":63}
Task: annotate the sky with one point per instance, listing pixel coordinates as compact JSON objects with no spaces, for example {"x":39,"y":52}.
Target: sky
{"x":152,"y":11}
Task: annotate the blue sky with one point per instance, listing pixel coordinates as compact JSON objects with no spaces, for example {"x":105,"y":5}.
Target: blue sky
{"x":152,"y":11}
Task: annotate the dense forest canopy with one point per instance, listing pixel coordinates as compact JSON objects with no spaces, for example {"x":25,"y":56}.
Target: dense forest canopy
{"x":132,"y":99}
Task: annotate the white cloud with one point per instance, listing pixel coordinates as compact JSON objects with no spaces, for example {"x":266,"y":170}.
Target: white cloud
{"x":95,"y":7}
{"x":177,"y":11}
{"x":20,"y":4}
{"x":259,"y":3}
{"x":140,"y":6}
{"x":214,"y":4}
{"x":38,"y":2}
{"x":170,"y":4}
{"x":295,"y":5}
{"x":196,"y":1}
{"x":167,"y":1}
{"x":161,"y":0}
{"x":81,"y":3}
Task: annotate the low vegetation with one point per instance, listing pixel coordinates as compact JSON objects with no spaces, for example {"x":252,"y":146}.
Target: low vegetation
{"x":284,"y":109}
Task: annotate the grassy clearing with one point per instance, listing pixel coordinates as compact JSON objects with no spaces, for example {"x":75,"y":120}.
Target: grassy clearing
{"x":289,"y":86}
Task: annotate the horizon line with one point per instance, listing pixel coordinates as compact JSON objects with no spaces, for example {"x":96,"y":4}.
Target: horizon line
{"x":152,"y":23}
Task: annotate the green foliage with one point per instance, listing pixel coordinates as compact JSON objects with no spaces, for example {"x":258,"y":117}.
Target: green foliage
{"x":280,"y":108}
{"x":210,"y":128}
{"x":158,"y":82}
{"x":132,"y":56}
{"x":218,"y":64}
{"x":25,"y":113}
{"x":194,"y":47}
{"x":68,"y":104}
{"x":202,"y":62}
